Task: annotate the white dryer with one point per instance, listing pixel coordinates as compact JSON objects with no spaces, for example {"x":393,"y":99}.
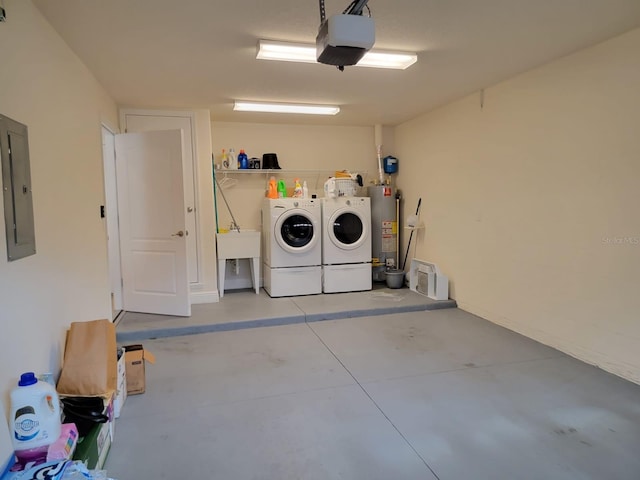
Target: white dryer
{"x":346,"y":244}
{"x":292,"y":253}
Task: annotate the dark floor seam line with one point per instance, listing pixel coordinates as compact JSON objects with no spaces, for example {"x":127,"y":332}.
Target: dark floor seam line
{"x":299,"y":308}
{"x":374,"y":402}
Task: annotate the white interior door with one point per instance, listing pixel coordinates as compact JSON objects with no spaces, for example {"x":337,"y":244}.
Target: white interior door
{"x":153,"y":234}
{"x":136,"y":121}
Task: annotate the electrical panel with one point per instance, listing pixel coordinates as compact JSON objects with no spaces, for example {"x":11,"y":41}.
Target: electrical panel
{"x":16,"y":189}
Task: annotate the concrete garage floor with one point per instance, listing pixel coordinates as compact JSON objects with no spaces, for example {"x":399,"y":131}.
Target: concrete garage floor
{"x":416,"y":395}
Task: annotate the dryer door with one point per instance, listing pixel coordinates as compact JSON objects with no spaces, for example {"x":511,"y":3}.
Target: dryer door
{"x":347,"y":229}
{"x":296,"y":231}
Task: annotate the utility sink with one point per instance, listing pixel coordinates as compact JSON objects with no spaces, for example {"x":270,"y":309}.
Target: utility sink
{"x":242,"y":244}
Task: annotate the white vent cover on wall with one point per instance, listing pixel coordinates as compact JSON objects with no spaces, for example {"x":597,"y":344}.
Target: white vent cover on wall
{"x":427,"y":279}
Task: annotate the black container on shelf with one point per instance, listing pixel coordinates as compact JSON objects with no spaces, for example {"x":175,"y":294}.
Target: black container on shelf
{"x":270,"y":161}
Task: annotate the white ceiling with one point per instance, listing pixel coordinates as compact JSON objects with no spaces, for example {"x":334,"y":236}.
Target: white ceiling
{"x":201,"y":53}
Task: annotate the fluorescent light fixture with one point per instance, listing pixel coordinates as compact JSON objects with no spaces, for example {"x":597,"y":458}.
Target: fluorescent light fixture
{"x":288,"y":52}
{"x":378,"y":59}
{"x":305,"y":53}
{"x":241,"y":106}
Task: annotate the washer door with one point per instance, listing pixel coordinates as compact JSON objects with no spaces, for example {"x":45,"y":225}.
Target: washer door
{"x":347,"y":229}
{"x":296,"y":231}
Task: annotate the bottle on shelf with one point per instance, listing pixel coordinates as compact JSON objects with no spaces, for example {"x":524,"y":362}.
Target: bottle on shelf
{"x":224,"y":161}
{"x":305,"y":190}
{"x":273,"y":189}
{"x":297,"y":190}
{"x":243,"y":160}
{"x":282,"y":189}
{"x":233,"y":161}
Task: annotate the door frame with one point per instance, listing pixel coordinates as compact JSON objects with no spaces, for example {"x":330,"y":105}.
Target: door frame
{"x":193,"y":178}
{"x":112,"y":229}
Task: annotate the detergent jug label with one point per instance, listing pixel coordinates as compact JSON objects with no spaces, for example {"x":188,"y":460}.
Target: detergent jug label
{"x":27,"y":426}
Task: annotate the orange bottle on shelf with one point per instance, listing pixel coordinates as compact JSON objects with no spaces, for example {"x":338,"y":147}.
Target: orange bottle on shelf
{"x":273,"y":188}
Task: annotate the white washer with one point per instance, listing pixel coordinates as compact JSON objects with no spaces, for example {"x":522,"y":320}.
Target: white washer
{"x":292,"y":252}
{"x":346,"y":244}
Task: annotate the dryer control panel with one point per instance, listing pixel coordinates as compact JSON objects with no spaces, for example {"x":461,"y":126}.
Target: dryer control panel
{"x":304,"y":202}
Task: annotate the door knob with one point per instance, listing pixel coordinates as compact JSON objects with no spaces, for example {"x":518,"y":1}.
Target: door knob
{"x":179,"y":234}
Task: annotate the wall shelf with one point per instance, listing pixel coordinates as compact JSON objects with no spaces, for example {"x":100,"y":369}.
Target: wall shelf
{"x":315,"y":178}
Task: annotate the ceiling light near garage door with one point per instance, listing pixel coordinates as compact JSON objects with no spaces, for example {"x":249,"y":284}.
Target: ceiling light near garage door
{"x":305,"y":53}
{"x":242,"y":106}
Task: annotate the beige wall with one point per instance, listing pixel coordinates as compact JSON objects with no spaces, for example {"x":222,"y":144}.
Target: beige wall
{"x":46,"y":87}
{"x":530,"y":202}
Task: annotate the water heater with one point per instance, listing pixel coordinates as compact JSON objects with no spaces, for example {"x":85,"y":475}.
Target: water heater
{"x":384,"y":230}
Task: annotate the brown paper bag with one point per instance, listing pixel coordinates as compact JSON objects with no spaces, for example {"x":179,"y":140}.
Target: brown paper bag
{"x":90,"y":360}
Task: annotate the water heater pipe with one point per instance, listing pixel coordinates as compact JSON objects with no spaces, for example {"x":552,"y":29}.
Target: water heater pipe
{"x":397,"y":259}
{"x":378,"y":140}
{"x":380,"y":169}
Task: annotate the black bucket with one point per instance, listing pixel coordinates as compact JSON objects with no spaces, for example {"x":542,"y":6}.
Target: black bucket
{"x":270,"y":161}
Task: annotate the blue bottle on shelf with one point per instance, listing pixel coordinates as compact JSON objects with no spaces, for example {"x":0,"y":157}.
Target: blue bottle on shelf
{"x":243,"y":160}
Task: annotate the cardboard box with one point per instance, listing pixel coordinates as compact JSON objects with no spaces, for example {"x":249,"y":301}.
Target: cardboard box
{"x":135,"y":358}
{"x":121,"y":391}
{"x":93,"y":448}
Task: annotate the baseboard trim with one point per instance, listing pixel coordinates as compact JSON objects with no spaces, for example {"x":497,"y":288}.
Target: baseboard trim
{"x":204,"y":297}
